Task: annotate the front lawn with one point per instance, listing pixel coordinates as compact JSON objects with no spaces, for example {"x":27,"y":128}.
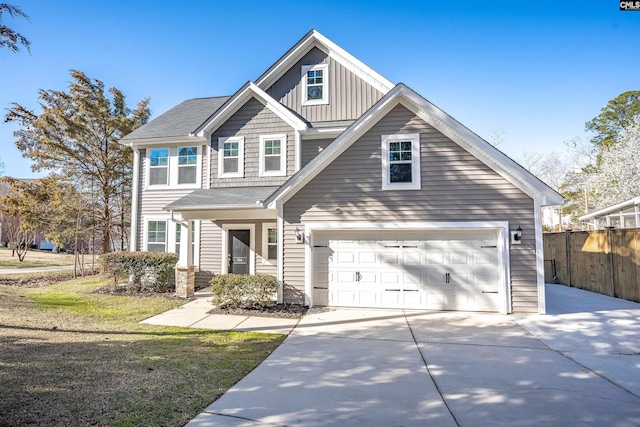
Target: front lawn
{"x":71,"y":356}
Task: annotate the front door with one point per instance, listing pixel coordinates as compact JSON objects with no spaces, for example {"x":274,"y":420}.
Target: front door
{"x":238,"y":251}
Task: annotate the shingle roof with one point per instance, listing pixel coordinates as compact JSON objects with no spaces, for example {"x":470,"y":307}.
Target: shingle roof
{"x":222,"y":198}
{"x":181,"y":120}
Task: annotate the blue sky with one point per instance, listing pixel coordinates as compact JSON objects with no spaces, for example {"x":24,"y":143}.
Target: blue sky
{"x":538,"y":70}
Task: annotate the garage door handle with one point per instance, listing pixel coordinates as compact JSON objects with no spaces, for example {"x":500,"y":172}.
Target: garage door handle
{"x":317,"y":287}
{"x":447,"y":278}
{"x":489,"y":292}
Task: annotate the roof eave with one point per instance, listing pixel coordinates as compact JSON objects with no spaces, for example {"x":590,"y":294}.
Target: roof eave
{"x":143,"y":142}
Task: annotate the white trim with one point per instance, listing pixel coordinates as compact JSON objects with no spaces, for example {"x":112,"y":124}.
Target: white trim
{"x":502,"y":227}
{"x":280,"y":267}
{"x":209,"y":151}
{"x":224,"y":268}
{"x":431,"y":114}
{"x":542,"y":301}
{"x":135,"y":190}
{"x":325,"y":84}
{"x":283,"y":155}
{"x":221,"y":142}
{"x":248,"y":91}
{"x":416,"y":183}
{"x":298,"y":151}
{"x":164,"y":140}
{"x":265,"y":243}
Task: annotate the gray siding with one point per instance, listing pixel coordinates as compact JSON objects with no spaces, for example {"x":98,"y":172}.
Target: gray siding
{"x":349,"y":95}
{"x":455,"y":187}
{"x":312,"y":147}
{"x":252,"y":120}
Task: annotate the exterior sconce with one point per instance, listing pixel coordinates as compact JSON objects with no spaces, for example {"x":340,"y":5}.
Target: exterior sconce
{"x":299,"y":236}
{"x":516,"y":236}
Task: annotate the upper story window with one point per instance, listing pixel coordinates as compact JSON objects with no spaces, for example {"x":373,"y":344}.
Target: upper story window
{"x":187,"y":165}
{"x":273,"y":150}
{"x":174,"y":166}
{"x":159,"y":166}
{"x":401,"y":162}
{"x":231,"y":157}
{"x":315,"y":88}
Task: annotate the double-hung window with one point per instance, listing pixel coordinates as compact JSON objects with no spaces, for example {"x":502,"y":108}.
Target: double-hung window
{"x":174,"y":167}
{"x":401,"y":162}
{"x":273,"y":155}
{"x":269,"y":243}
{"x":187,"y":165}
{"x":157,"y":236}
{"x":231,"y":157}
{"x":159,"y":166}
{"x":315,"y":79}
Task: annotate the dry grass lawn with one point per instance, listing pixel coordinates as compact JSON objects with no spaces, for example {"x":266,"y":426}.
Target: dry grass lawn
{"x":36,"y":259}
{"x":71,"y":356}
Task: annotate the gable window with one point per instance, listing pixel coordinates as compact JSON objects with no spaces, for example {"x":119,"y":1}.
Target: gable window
{"x":187,"y":165}
{"x":157,"y":236}
{"x":315,"y":80}
{"x":231,"y":157}
{"x":401,"y":162}
{"x":269,"y":243}
{"x":273,"y":155}
{"x":159,"y":166}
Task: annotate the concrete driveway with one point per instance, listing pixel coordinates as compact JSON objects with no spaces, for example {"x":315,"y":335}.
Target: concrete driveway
{"x":578,"y":365}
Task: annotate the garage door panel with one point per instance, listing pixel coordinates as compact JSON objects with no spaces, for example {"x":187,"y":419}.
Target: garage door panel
{"x":443,"y":270}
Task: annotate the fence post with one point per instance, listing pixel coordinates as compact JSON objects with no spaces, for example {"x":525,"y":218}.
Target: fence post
{"x":612,"y":289}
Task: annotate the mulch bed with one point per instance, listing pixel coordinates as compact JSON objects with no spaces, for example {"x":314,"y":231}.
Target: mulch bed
{"x":287,"y":311}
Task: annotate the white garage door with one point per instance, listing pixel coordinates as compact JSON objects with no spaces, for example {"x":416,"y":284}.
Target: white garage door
{"x":442,"y":270}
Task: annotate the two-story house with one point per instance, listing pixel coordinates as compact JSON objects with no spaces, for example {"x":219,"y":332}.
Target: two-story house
{"x":351,"y":190}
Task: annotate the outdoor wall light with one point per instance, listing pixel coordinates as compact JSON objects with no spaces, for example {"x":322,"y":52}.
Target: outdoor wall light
{"x":299,"y":236}
{"x":516,"y":236}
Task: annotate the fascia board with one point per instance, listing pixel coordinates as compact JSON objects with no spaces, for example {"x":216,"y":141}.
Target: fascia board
{"x":620,"y":206}
{"x":148,"y":142}
{"x":485,"y":152}
{"x":239,"y":99}
{"x":315,"y":39}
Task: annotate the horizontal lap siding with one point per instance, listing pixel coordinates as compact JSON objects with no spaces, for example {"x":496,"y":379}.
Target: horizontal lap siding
{"x":312,"y":147}
{"x":252,"y":120}
{"x":349,"y":95}
{"x":455,"y":187}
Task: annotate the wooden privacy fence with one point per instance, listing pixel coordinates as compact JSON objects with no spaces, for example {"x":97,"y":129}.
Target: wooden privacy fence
{"x":604,"y":261}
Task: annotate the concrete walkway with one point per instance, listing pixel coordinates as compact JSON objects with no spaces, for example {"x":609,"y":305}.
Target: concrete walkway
{"x":195,"y":314}
{"x":579,"y":365}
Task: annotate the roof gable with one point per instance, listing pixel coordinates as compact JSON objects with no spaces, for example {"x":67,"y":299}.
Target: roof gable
{"x":314,"y":39}
{"x":233,"y":104}
{"x":447,"y":125}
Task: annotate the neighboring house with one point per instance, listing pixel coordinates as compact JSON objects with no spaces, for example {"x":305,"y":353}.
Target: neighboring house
{"x":352,"y":190}
{"x":621,"y":215}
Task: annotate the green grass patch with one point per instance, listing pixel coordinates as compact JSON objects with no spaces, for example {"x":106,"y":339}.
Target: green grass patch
{"x":71,"y":356}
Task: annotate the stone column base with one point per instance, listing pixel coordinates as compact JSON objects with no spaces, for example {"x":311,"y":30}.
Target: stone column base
{"x":185,"y":280}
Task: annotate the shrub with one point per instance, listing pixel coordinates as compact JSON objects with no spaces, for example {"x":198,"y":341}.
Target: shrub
{"x":244,"y":291}
{"x":140,"y":271}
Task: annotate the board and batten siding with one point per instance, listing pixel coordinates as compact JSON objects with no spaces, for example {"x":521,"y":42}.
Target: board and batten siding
{"x":349,"y":95}
{"x":250,"y":121}
{"x":455,"y":187}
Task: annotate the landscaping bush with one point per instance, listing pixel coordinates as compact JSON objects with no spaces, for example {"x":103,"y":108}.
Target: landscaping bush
{"x":140,"y":271}
{"x":244,"y":291}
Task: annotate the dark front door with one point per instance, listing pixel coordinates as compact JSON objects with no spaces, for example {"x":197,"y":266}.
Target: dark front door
{"x":239,"y":251}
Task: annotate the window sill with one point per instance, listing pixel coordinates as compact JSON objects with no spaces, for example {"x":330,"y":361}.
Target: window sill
{"x":270,"y":174}
{"x":401,"y":187}
{"x":172,"y":187}
{"x":231,"y":175}
{"x":316,"y":102}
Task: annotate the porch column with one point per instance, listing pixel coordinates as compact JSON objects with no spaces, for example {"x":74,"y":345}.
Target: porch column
{"x":185,"y":272}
